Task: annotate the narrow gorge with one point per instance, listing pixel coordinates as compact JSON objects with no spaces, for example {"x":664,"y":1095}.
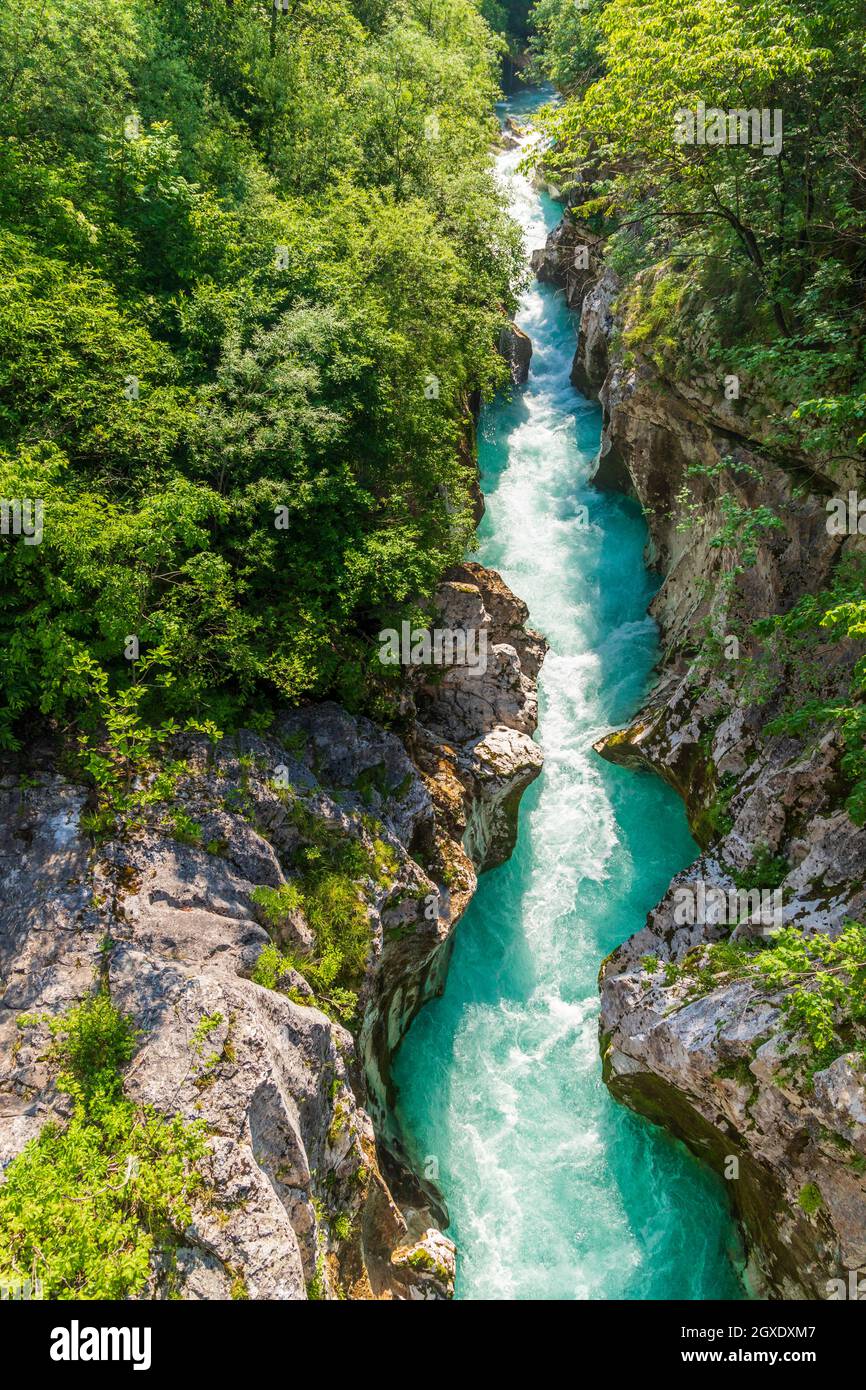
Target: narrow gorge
{"x":555,"y":1191}
{"x":692,"y":1035}
{"x":433,"y":663}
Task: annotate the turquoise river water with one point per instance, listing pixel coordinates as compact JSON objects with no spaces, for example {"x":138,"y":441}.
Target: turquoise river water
{"x":554,"y":1190}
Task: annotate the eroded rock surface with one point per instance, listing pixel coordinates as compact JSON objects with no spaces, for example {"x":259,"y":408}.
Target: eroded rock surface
{"x":516,"y":347}
{"x":572,"y":258}
{"x":715,"y":1058}
{"x":162,"y":913}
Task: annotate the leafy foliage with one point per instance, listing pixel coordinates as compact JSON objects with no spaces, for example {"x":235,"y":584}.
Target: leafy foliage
{"x":235,"y":243}
{"x":565,"y":41}
{"x":796,"y":639}
{"x":333,"y":868}
{"x":83,"y":1206}
{"x":738,"y":260}
{"x":825,"y":984}
{"x":821,"y":984}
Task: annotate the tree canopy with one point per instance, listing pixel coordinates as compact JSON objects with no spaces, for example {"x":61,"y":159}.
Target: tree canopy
{"x":237,"y":244}
{"x":758,"y":252}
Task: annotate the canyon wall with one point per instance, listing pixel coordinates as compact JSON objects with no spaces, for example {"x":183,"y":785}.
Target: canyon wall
{"x":161,"y":910}
{"x":709,"y":1052}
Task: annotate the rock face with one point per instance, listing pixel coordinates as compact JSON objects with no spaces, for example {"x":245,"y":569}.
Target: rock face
{"x":727,"y":1072}
{"x":163,"y":914}
{"x":721,"y":1070}
{"x":515,"y":346}
{"x":592,"y":361}
{"x":471,"y":734}
{"x":572,"y":258}
{"x":713,"y":1054}
{"x":293,"y":1155}
{"x":590,"y":291}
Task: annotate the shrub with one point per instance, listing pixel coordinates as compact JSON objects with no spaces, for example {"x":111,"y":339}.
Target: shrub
{"x":84,"y":1206}
{"x":796,"y":640}
{"x":822,"y":983}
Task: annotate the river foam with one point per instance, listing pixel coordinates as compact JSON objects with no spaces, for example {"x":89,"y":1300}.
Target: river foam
{"x":554,"y":1191}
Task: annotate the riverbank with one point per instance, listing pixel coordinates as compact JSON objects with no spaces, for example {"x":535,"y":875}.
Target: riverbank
{"x":268,"y":916}
{"x":692,"y":1037}
{"x":553,"y":1191}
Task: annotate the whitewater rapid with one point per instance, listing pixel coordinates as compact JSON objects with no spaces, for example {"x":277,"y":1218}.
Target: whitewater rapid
{"x":553,"y":1190}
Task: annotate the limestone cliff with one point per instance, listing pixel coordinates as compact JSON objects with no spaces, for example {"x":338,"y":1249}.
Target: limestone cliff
{"x":163,"y":911}
{"x":715,"y":1053}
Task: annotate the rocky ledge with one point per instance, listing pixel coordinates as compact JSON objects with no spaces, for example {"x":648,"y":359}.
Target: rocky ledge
{"x":694,"y":1035}
{"x":516,"y":347}
{"x":175,"y":907}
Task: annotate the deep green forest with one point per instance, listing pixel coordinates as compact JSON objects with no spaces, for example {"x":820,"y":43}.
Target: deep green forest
{"x":254,"y":268}
{"x":744,"y":259}
{"x":253,"y":264}
{"x":738,"y":262}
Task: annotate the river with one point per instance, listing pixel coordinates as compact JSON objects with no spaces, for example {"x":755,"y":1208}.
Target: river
{"x":554,"y":1190}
